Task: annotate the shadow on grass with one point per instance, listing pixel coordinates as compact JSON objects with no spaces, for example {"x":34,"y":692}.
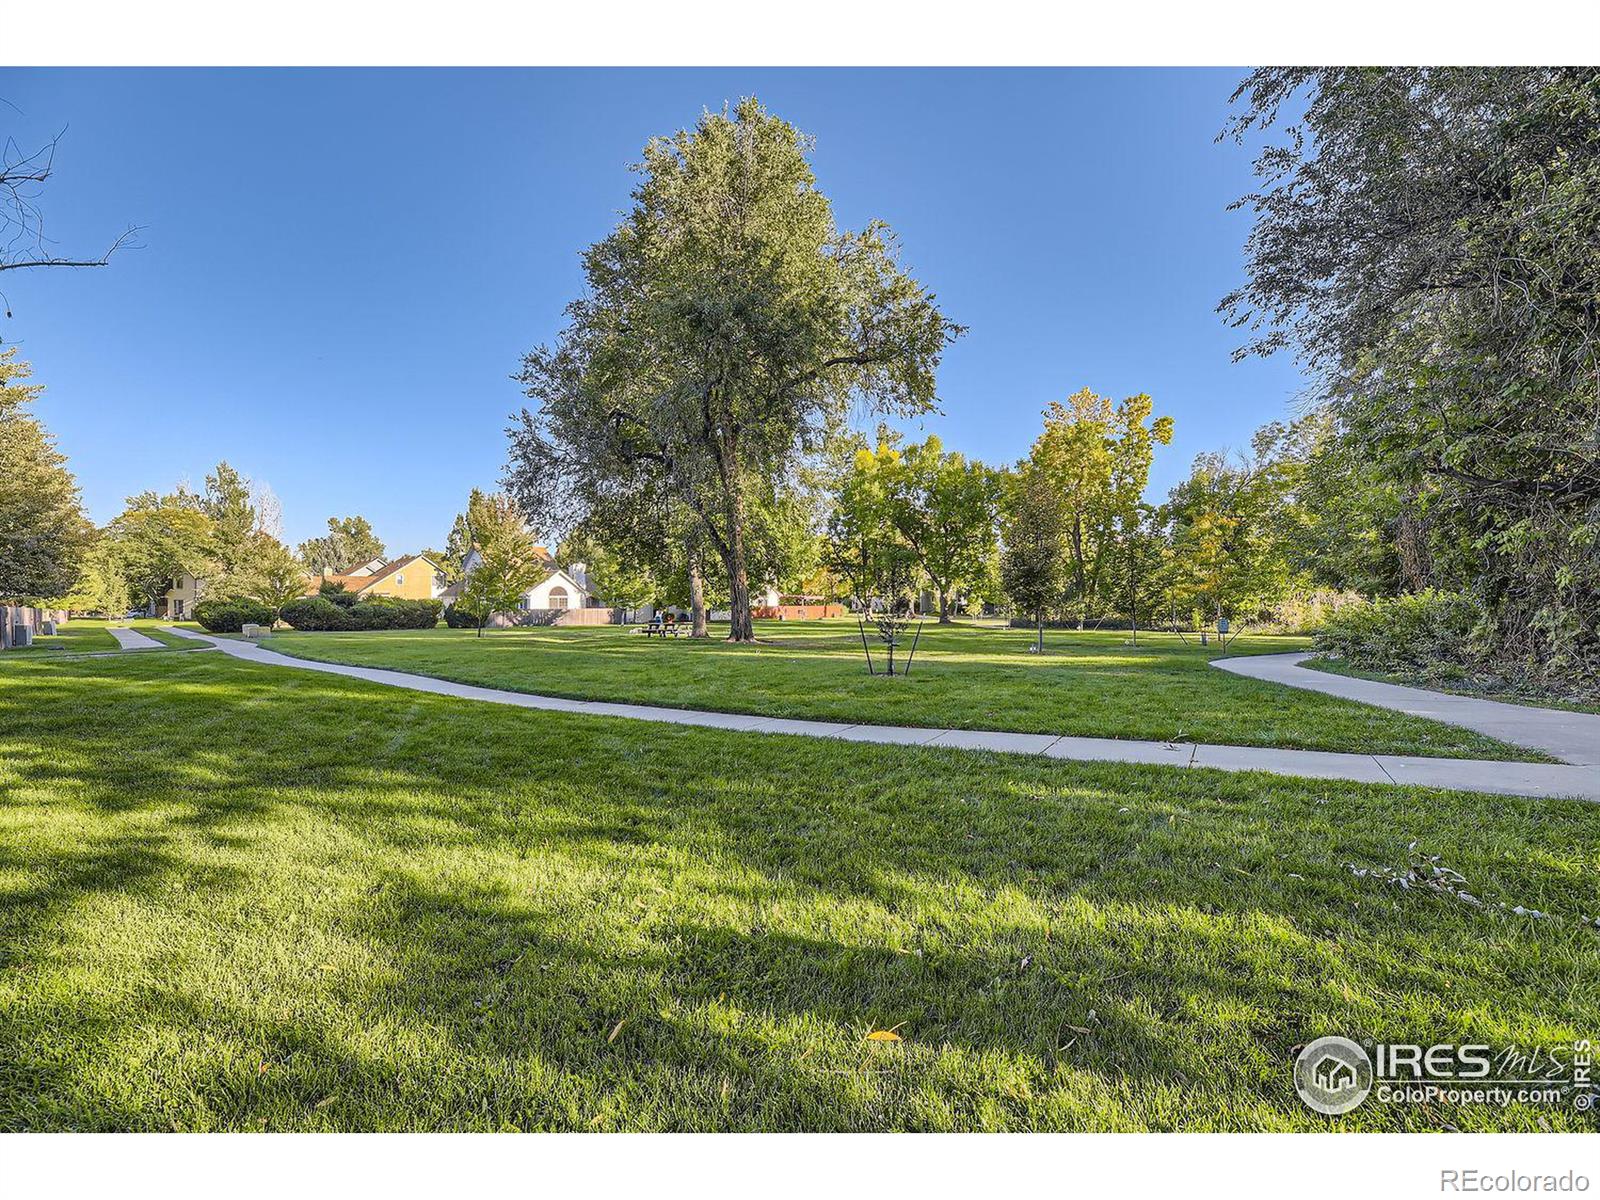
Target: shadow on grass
{"x":569,"y":922}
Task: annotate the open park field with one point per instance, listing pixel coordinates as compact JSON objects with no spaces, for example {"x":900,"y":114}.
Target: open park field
{"x":964,"y":676}
{"x":249,"y":897}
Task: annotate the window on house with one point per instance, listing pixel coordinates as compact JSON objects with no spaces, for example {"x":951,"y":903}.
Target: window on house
{"x":400,"y":579}
{"x":558,"y":597}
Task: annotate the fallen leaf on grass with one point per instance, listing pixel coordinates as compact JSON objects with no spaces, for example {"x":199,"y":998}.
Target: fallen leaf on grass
{"x":885,"y":1035}
{"x":616,"y":1029}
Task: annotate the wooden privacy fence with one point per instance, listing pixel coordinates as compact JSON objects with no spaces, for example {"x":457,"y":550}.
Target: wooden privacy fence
{"x":13,"y":615}
{"x":557,"y":616}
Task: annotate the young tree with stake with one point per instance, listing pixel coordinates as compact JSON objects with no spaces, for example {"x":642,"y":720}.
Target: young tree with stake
{"x":507,"y":564}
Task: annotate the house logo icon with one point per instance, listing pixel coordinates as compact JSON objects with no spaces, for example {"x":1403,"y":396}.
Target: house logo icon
{"x":1333,"y":1075}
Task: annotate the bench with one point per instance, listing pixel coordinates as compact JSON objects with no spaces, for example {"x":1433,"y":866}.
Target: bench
{"x":657,"y":627}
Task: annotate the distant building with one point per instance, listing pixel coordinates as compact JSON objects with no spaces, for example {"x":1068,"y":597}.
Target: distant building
{"x":413,"y":577}
{"x":179,"y":600}
{"x":561,"y":597}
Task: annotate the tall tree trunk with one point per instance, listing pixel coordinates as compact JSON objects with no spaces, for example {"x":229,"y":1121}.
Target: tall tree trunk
{"x":1411,"y":544}
{"x":1078,"y":570}
{"x":1039,"y":616}
{"x":740,"y":627}
{"x":944,"y":607}
{"x":697,"y":595}
{"x":1133,"y":594}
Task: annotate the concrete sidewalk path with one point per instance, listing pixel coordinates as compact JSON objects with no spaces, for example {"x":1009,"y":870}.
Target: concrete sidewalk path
{"x":1505,"y":778}
{"x":132,"y":639}
{"x":1572,"y":737}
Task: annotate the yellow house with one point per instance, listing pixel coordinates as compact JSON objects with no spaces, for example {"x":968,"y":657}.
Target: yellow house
{"x":180,"y":599}
{"x":410,"y":578}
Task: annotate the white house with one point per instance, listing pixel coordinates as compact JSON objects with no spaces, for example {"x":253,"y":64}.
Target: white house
{"x":559,"y":598}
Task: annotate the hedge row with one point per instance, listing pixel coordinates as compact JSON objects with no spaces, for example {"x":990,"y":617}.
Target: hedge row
{"x":230,"y":616}
{"x":319,"y":613}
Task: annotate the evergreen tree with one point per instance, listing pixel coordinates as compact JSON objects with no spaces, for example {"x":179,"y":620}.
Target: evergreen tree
{"x":43,"y":532}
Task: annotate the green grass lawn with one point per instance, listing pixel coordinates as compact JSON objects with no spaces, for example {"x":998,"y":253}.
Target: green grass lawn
{"x":89,"y":635}
{"x":964,"y":677}
{"x":245,"y":897}
{"x":83,"y":635}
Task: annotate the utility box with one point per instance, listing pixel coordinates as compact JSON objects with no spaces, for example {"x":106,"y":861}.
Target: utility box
{"x":254,"y":631}
{"x":21,"y":636}
{"x":48,"y":629}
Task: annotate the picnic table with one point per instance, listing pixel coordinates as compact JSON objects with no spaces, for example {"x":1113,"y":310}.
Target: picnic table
{"x":659,"y":626}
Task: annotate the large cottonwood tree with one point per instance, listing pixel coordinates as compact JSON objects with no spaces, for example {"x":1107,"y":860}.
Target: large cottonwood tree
{"x":1427,"y":239}
{"x":728,"y":327}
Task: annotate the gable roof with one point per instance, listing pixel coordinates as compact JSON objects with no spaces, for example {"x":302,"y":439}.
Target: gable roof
{"x":558,"y":573}
{"x":399,"y":564}
{"x":360,"y":583}
{"x":453,"y":592}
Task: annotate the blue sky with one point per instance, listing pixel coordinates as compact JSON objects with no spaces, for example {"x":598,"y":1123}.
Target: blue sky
{"x":341,"y":269}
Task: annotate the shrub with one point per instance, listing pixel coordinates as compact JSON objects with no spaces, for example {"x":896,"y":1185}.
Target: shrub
{"x":314,"y":613}
{"x":338,"y":594}
{"x":389,"y":612}
{"x":1432,"y":634}
{"x":1307,"y":611}
{"x":459,"y":618}
{"x":230,"y":616}
{"x":319,"y":613}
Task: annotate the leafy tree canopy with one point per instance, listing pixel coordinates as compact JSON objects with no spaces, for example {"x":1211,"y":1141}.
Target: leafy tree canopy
{"x":1428,"y":241}
{"x":43,"y":532}
{"x":727,"y":330}
{"x":348,"y":543}
{"x":507,"y":565}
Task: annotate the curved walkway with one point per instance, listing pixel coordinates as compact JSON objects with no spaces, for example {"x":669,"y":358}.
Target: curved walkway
{"x":1573,"y":737}
{"x":1505,"y":778}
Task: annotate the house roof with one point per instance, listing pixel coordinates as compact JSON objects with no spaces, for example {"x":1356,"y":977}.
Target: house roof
{"x":453,"y":592}
{"x":361,"y":583}
{"x":399,"y":564}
